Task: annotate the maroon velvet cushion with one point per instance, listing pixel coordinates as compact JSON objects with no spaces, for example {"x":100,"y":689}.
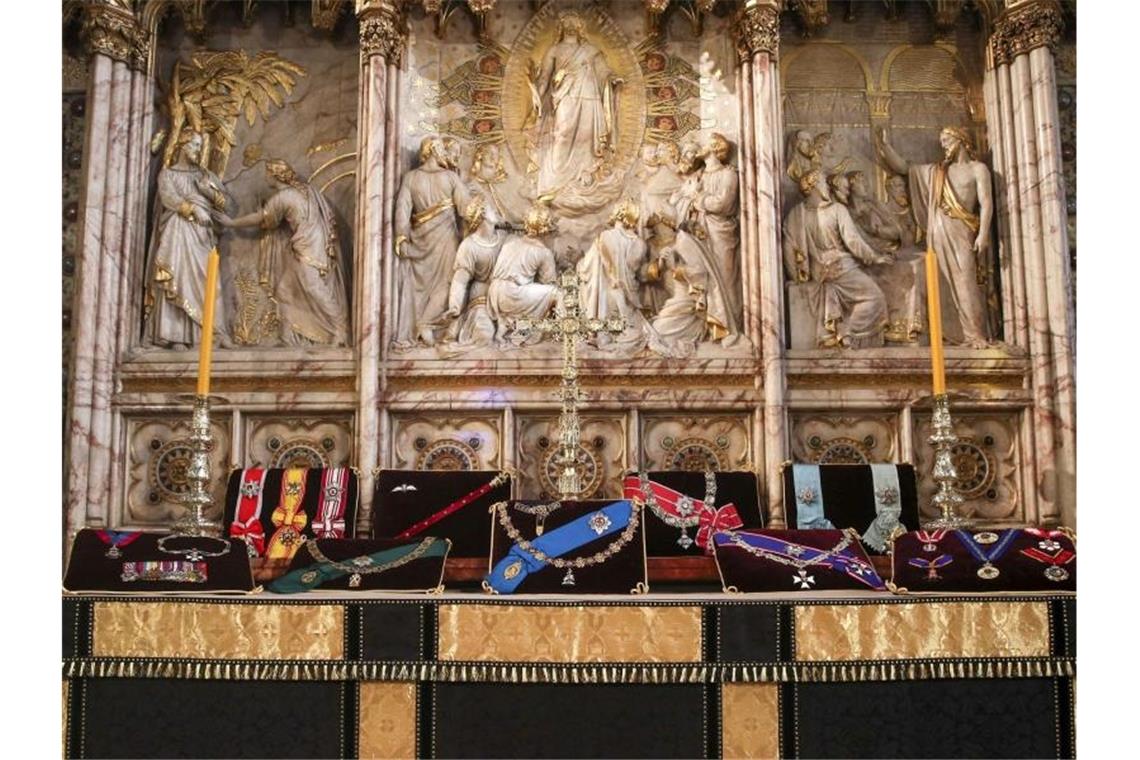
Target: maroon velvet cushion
{"x":942,"y":561}
{"x":421,"y":574}
{"x":745,"y":571}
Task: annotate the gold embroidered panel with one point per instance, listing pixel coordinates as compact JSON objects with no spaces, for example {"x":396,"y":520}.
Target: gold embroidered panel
{"x":66,"y":710}
{"x":387,"y":720}
{"x":485,"y":632}
{"x":750,"y":723}
{"x":901,"y":631}
{"x":219,"y":631}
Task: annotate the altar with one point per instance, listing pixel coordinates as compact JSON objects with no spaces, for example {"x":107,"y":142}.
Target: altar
{"x":838,"y":674}
{"x":699,"y":372}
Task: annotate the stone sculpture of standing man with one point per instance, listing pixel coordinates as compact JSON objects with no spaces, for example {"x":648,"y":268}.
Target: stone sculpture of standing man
{"x":427,"y":237}
{"x":189,"y":197}
{"x":953,"y":205}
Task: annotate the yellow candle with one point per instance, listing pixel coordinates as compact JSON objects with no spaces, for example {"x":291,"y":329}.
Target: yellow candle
{"x":934,"y":312}
{"x":206,"y":348}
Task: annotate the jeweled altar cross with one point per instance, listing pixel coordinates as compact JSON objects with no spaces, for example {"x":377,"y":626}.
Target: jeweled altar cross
{"x":568,"y":325}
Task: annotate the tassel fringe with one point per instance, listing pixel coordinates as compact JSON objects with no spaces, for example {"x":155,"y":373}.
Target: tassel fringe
{"x":553,"y":673}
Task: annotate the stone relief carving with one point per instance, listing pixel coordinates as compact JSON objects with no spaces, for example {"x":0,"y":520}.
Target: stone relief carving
{"x":428,"y":208}
{"x":298,"y":442}
{"x":953,"y":209}
{"x":695,"y":442}
{"x":844,"y":439}
{"x":301,"y":263}
{"x":987,"y":460}
{"x":602,"y":448}
{"x":443,"y":442}
{"x":159,"y":453}
{"x":524,"y":276}
{"x":472,"y":325}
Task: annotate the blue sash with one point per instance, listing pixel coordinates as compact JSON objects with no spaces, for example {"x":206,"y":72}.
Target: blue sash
{"x":888,"y":506}
{"x":808,"y":494}
{"x":514,"y":568}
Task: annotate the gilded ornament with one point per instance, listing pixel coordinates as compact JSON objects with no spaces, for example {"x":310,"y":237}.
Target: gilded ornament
{"x":1025,"y":27}
{"x":117,"y":34}
{"x":758,"y":30}
{"x":383,"y":34}
{"x":326,"y":13}
{"x":813,"y":15}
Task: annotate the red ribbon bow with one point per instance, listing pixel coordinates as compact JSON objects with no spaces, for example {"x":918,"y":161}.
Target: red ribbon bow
{"x":714,"y":521}
{"x":253,"y":534}
{"x":1062,"y":557}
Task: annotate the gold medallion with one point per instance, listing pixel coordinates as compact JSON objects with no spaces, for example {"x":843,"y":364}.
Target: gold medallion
{"x":309,"y":577}
{"x":1056,"y":573}
{"x":512,"y":570}
{"x":986,"y":538}
{"x":988,"y":572}
{"x":354,"y":580}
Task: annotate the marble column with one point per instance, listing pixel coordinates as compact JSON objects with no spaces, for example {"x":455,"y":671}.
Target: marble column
{"x":382,"y":39}
{"x":112,"y":35}
{"x":758,"y":40}
{"x":1021,"y":66}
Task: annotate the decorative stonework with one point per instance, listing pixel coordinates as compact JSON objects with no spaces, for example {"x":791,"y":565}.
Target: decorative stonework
{"x":1025,"y":27}
{"x":116,"y":33}
{"x":946,"y":13}
{"x":603,"y":452}
{"x":695,"y":442}
{"x":844,"y":439}
{"x":812,"y":15}
{"x":383,"y":33}
{"x":326,"y":13}
{"x":758,"y":30}
{"x":298,"y":442}
{"x":446,"y":442}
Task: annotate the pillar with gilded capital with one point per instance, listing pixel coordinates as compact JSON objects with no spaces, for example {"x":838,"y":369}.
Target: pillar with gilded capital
{"x":758,"y":42}
{"x":383,"y":36}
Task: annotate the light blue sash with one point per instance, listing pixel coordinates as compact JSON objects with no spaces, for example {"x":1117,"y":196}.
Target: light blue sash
{"x":888,"y":506}
{"x":808,"y":493}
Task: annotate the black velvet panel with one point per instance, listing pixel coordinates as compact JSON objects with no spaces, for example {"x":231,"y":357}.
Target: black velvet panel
{"x":737,"y":488}
{"x":391,"y":631}
{"x":849,"y":496}
{"x":619,"y":574}
{"x":76,"y":627}
{"x":1017,"y":572}
{"x":420,"y":574}
{"x":531,"y":720}
{"x":310,"y":501}
{"x":748,"y":633}
{"x":749,"y":573}
{"x":89,"y":569}
{"x":152,"y":718}
{"x":940,"y":718}
{"x":395,"y":509}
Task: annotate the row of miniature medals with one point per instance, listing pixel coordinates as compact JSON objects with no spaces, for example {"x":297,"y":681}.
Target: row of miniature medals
{"x":986,"y":547}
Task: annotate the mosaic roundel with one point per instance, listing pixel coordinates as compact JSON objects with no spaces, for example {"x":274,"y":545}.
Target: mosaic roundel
{"x":167,"y":470}
{"x":975,"y":467}
{"x":840,"y":451}
{"x":695,"y":454}
{"x":298,"y":452}
{"x":591,"y":472}
{"x":447,"y":454}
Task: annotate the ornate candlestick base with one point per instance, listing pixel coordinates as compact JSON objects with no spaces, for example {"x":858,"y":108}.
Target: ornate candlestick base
{"x":947,"y":499}
{"x":198,"y":501}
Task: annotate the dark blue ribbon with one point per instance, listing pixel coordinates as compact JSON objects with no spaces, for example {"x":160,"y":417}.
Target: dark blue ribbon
{"x":842,"y":561}
{"x":520,"y":563}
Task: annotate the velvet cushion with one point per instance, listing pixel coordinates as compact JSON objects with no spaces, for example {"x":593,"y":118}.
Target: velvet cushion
{"x":421,"y":574}
{"x":743,"y":571}
{"x":404,"y":497}
{"x":90,"y":569}
{"x":848,"y":493}
{"x":621,"y":573}
{"x":956,"y":569}
{"x":736,"y":488}
{"x":271,"y":498}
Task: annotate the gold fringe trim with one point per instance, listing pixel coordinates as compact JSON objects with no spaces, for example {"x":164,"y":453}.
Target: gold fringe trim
{"x":475,"y":672}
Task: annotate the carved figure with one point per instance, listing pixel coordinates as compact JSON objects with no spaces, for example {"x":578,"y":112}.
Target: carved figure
{"x":474,"y":262}
{"x":717,"y":213}
{"x":574,"y":96}
{"x":309,"y":287}
{"x":953,"y":207}
{"x":427,"y":237}
{"x":487,"y":172}
{"x":823,"y":246}
{"x":659,"y":180}
{"x":805,"y":152}
{"x":188,"y":199}
{"x":523,"y":281}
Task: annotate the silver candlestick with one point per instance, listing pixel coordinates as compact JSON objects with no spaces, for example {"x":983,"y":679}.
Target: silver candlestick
{"x":198,"y":501}
{"x":947,"y":500}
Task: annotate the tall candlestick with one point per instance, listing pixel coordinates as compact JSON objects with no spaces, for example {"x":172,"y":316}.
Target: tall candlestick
{"x":206,"y":348}
{"x":934,"y":311}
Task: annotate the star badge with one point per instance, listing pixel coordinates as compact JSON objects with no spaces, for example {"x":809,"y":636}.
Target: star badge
{"x":804,"y":580}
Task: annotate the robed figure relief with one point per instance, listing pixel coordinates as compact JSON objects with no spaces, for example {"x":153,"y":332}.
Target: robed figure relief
{"x":952,"y":204}
{"x":189,"y":198}
{"x":302,"y":259}
{"x":428,"y":208}
{"x":574,"y":98}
